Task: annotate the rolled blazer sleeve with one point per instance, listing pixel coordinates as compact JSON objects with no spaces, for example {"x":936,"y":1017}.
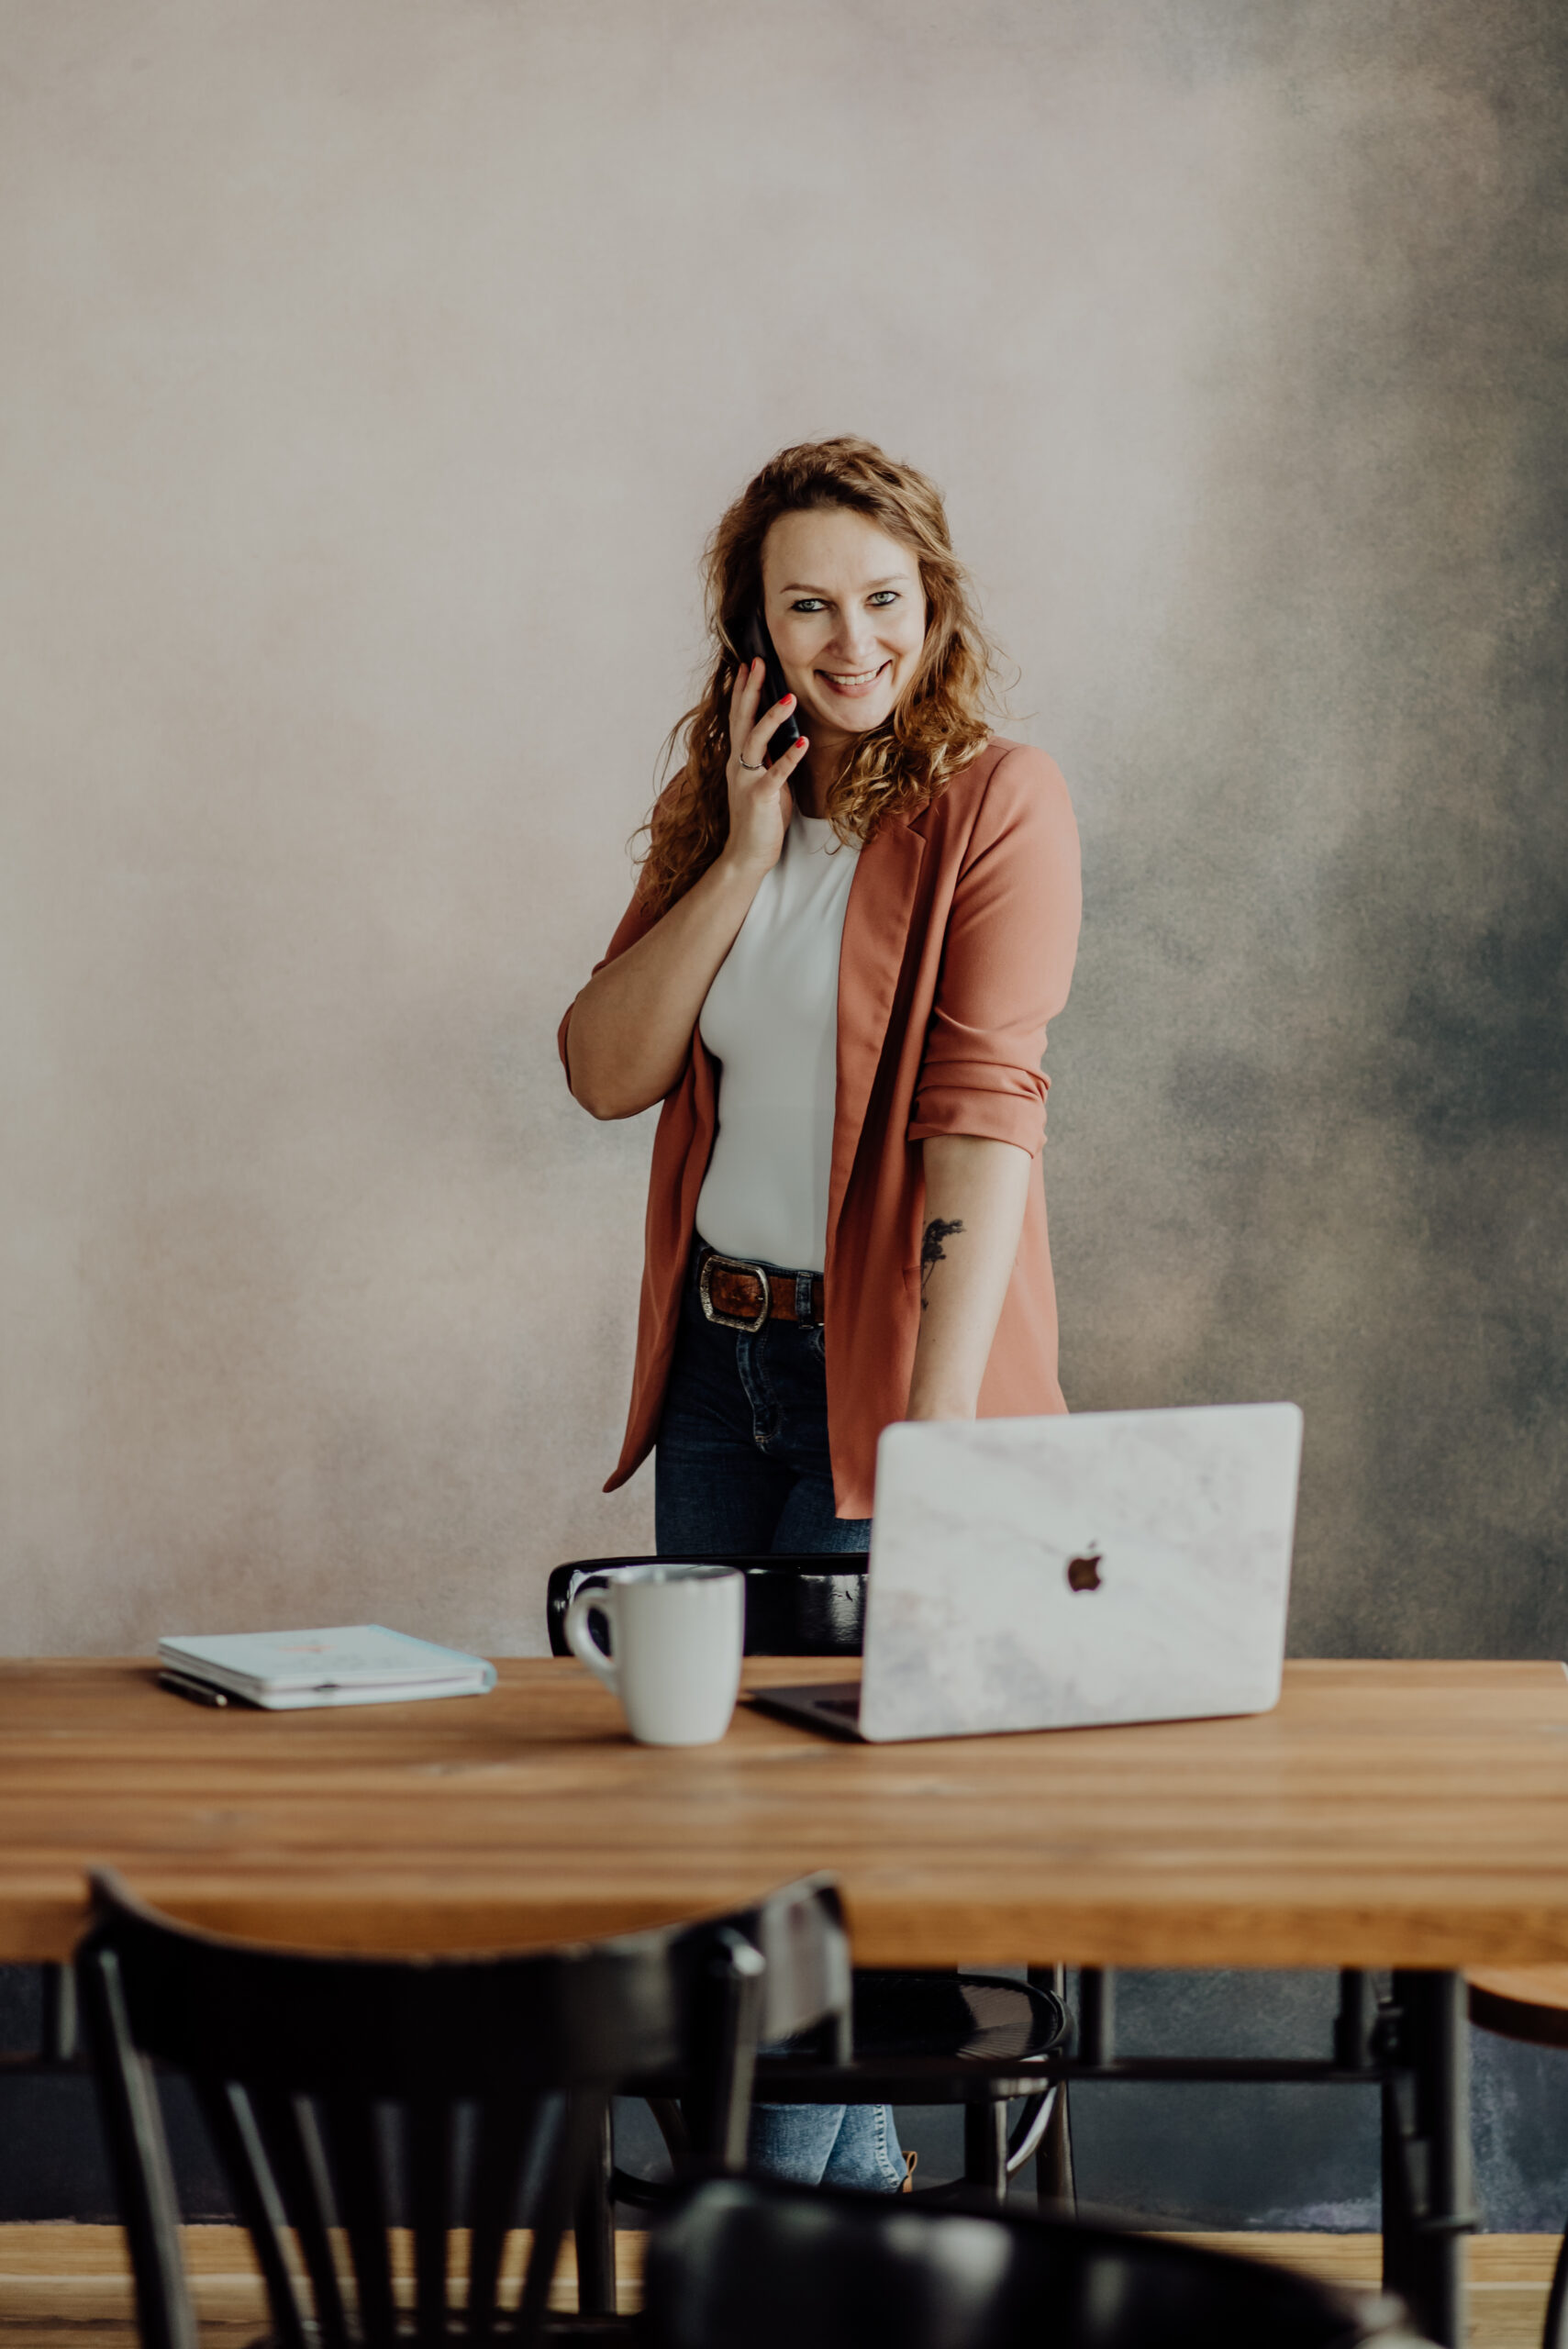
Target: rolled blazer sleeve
{"x":1012,"y":933}
{"x":635,"y":923}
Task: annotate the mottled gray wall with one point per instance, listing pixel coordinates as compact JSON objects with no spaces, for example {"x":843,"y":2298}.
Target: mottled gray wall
{"x":373,"y":371}
{"x":1312,"y":1107}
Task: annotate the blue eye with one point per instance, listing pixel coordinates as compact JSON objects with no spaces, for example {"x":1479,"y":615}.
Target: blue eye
{"x":808,"y":604}
{"x":886,"y":595}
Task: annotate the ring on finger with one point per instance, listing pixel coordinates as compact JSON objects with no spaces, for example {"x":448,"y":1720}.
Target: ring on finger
{"x":748,"y":767}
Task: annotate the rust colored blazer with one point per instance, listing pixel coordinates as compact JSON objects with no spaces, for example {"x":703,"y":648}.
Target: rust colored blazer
{"x":957,"y":947}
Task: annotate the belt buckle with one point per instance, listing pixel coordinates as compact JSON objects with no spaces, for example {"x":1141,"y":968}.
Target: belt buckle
{"x":732,"y":1320}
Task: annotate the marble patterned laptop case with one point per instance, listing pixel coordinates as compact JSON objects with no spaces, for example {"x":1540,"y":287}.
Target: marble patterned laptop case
{"x":1105,"y":1566}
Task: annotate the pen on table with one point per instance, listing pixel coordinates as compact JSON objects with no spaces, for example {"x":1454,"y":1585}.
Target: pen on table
{"x":197,"y":1691}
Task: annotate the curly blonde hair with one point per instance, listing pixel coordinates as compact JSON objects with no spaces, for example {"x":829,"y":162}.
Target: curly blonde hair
{"x":939,"y":724}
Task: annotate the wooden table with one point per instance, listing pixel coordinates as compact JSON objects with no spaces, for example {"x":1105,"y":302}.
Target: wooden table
{"x":1408,"y":1816}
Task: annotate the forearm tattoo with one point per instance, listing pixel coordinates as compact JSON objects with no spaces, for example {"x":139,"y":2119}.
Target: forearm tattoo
{"x":931,"y":1248}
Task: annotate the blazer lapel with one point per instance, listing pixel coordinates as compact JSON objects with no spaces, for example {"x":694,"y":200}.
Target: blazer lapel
{"x":876,"y":924}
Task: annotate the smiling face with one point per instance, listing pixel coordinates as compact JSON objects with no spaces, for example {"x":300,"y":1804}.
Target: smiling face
{"x":847,"y":614}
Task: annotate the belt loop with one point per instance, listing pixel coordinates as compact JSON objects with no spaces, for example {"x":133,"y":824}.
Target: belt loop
{"x":803,"y":1286}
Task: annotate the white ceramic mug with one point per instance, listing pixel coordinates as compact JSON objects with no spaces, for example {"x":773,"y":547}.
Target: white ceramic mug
{"x":676,"y":1637}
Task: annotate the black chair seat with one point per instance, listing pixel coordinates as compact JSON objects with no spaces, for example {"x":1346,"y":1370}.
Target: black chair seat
{"x":928,"y":2039}
{"x":794,"y":1605}
{"x":776,"y":2265}
{"x":918,"y":2039}
{"x":980,"y":2017}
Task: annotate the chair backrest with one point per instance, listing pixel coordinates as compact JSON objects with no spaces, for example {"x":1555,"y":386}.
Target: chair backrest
{"x":351,"y":2097}
{"x":809,"y":1605}
{"x":775,"y":2266}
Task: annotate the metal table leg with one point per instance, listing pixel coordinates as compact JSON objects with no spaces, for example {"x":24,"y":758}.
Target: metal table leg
{"x":1423,"y":2035}
{"x":1055,"y":2185}
{"x":1054,"y":2161}
{"x":595,"y":2228}
{"x":985,"y":2150}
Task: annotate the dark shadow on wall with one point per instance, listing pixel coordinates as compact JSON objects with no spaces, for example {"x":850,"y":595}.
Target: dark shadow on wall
{"x":1310,"y":1117}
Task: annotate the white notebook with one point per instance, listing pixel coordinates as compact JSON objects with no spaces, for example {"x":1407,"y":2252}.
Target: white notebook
{"x":354,"y":1663}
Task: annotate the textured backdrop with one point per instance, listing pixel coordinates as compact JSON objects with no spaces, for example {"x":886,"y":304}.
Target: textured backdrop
{"x":374,"y":370}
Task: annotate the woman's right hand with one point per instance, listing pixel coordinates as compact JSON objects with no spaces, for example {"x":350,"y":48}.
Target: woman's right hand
{"x":761,"y":801}
{"x":630,"y":1031}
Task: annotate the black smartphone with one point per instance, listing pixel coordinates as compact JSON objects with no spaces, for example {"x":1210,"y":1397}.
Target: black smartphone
{"x":756,"y":645}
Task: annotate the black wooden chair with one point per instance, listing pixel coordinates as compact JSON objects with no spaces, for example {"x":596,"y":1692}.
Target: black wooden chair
{"x":1529,"y":2003}
{"x":976,"y":2040}
{"x":348,"y":2096}
{"x":775,"y":2266}
{"x":794,"y":1605}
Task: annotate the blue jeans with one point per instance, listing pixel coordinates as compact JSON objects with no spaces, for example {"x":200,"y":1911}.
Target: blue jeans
{"x":742,"y":1467}
{"x":742,"y":1462}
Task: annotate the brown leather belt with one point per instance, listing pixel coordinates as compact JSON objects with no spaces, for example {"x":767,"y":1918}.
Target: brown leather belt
{"x":738,"y":1295}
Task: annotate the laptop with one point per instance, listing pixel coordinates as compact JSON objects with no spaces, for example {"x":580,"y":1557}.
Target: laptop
{"x":1072,"y":1571}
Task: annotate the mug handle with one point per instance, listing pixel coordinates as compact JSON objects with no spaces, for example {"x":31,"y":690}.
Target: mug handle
{"x":581,"y":1640}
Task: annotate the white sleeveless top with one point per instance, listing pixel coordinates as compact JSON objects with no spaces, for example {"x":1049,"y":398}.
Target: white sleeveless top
{"x":772,"y":1021}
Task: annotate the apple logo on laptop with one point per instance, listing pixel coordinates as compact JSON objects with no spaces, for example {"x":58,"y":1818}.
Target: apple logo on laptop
{"x":1084,"y":1574}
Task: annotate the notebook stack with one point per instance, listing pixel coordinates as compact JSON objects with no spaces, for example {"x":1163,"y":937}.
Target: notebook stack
{"x":357,"y":1663}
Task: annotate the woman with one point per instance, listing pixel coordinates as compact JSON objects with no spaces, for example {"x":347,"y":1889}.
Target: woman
{"x":836,"y":974}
